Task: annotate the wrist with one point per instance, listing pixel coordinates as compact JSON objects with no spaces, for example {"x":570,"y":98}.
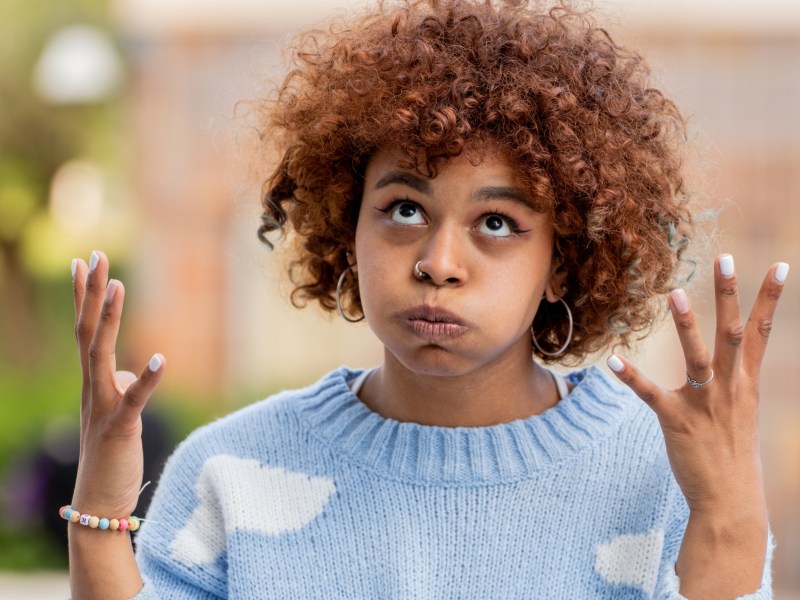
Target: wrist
{"x":737,"y":513}
{"x":94,"y":521}
{"x":723,"y":553}
{"x":728,"y":525}
{"x":88,"y":499}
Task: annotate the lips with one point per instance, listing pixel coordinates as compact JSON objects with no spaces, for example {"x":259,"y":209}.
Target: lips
{"x":433,"y":322}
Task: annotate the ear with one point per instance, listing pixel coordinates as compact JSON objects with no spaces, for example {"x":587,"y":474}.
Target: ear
{"x":556,"y":287}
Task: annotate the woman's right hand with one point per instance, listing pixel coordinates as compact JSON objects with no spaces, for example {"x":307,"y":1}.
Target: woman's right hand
{"x":111,"y":463}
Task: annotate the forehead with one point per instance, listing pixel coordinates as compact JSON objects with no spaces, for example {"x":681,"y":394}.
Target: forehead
{"x":476,"y":163}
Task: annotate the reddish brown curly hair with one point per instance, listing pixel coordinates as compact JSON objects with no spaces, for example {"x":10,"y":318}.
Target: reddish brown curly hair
{"x":599,"y":149}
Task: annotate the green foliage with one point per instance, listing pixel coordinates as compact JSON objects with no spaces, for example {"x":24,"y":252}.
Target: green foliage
{"x":49,"y":390}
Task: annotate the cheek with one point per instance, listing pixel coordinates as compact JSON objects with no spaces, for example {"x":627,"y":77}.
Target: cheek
{"x":373,"y":274}
{"x":522,"y":284}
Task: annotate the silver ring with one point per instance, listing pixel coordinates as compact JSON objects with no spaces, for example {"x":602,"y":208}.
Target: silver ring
{"x":698,"y":384}
{"x":418,"y":273}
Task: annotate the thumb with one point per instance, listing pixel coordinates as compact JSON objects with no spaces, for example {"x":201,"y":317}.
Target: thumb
{"x":123,"y":380}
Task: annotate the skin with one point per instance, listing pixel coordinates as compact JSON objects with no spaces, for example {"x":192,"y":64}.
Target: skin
{"x":446,"y":374}
{"x":102,"y":564}
{"x":712,"y":439}
{"x":461,"y":226}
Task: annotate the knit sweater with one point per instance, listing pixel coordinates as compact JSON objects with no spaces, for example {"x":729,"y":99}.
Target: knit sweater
{"x":310,"y":494}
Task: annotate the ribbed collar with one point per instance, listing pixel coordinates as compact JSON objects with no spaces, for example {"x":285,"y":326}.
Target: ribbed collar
{"x":429,"y":454}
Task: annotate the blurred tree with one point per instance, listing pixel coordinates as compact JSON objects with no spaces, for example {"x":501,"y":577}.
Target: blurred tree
{"x":35,"y":139}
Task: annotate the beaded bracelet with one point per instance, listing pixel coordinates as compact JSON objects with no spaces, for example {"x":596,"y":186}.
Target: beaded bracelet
{"x":73,"y":516}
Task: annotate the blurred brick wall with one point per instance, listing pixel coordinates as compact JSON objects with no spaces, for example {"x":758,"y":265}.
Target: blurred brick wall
{"x":206,"y":293}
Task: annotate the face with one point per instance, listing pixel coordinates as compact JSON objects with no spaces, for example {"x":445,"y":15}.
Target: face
{"x":487,"y":254}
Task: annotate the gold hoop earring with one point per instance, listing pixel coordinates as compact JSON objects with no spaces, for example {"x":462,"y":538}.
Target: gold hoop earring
{"x":338,"y":297}
{"x":560,"y":351}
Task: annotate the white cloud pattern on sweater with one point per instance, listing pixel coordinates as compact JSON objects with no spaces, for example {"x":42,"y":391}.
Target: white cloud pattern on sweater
{"x":631,"y":559}
{"x":244,"y":494}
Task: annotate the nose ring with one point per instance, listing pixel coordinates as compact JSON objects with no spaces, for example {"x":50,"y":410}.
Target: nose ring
{"x":419,"y":274}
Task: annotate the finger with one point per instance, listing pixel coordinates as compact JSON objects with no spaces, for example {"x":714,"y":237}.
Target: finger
{"x":102,"y":350}
{"x":698,"y":362}
{"x":651,"y":393}
{"x":123,"y":380}
{"x":759,"y":324}
{"x":95,"y":286}
{"x":139,"y":392}
{"x":730,"y":328}
{"x":79,"y":270}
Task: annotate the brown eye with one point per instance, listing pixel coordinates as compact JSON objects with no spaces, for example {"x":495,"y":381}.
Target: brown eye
{"x":494,"y":223}
{"x":496,"y":226}
{"x":407,"y":213}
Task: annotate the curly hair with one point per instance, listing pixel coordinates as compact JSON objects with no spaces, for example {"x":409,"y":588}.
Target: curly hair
{"x":599,"y":149}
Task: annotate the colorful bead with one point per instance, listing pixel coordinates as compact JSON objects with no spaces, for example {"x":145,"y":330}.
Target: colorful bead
{"x":133,"y":523}
{"x":73,"y":516}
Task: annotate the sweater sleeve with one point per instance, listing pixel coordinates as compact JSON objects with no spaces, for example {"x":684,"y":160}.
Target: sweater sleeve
{"x":160,"y":547}
{"x":668,"y":587}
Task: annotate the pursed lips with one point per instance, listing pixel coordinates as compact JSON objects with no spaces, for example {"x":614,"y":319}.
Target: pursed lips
{"x":433,"y":322}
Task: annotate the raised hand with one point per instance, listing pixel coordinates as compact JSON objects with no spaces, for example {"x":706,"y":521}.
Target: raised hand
{"x":710,"y":426}
{"x":110,"y":467}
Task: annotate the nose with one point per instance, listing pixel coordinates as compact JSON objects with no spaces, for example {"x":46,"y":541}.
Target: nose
{"x":442,"y":259}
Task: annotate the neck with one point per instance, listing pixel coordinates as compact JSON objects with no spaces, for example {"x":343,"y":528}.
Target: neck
{"x":494,"y":394}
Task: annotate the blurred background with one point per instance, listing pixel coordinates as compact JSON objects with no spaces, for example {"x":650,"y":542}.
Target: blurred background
{"x":117,"y":132}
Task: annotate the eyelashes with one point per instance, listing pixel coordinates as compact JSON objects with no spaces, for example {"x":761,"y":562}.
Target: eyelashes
{"x":404,"y":212}
{"x":495,"y":223}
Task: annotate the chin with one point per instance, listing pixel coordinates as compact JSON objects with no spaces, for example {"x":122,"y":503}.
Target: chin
{"x":433,"y":361}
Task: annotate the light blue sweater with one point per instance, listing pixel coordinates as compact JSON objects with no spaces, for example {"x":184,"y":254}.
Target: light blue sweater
{"x":310,"y":494}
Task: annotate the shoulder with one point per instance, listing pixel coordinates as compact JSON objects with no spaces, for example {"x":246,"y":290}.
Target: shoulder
{"x":632,"y":426}
{"x":607,"y":395}
{"x":263,"y":430}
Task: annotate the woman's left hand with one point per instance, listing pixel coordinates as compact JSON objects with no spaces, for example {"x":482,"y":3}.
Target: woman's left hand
{"x":710,"y":423}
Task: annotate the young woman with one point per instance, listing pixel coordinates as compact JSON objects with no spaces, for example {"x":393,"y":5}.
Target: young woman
{"x":494,"y":187}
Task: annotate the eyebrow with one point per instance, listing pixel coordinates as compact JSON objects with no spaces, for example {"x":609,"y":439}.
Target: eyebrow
{"x":504,"y":193}
{"x":486,"y":194}
{"x":405,"y":178}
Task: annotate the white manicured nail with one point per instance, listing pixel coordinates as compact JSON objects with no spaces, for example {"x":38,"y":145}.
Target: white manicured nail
{"x":726,"y":265}
{"x":93,"y":260}
{"x":680,"y":300}
{"x":155,"y":363}
{"x":781,"y":271}
{"x":74,"y":267}
{"x":614,"y":363}
{"x":111,"y":289}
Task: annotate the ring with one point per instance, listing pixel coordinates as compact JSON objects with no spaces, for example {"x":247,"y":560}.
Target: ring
{"x":698,"y":384}
{"x":418,"y":273}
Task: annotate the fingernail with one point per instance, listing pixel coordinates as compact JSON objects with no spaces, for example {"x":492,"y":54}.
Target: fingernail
{"x":614,"y":363}
{"x":781,"y":271}
{"x":93,"y":260}
{"x":680,"y":300}
{"x":74,"y":267}
{"x":726,"y":265}
{"x":111,"y":289}
{"x":155,"y":363}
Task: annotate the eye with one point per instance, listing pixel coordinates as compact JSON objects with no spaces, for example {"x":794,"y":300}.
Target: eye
{"x":497,"y":226}
{"x":406,"y":213}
